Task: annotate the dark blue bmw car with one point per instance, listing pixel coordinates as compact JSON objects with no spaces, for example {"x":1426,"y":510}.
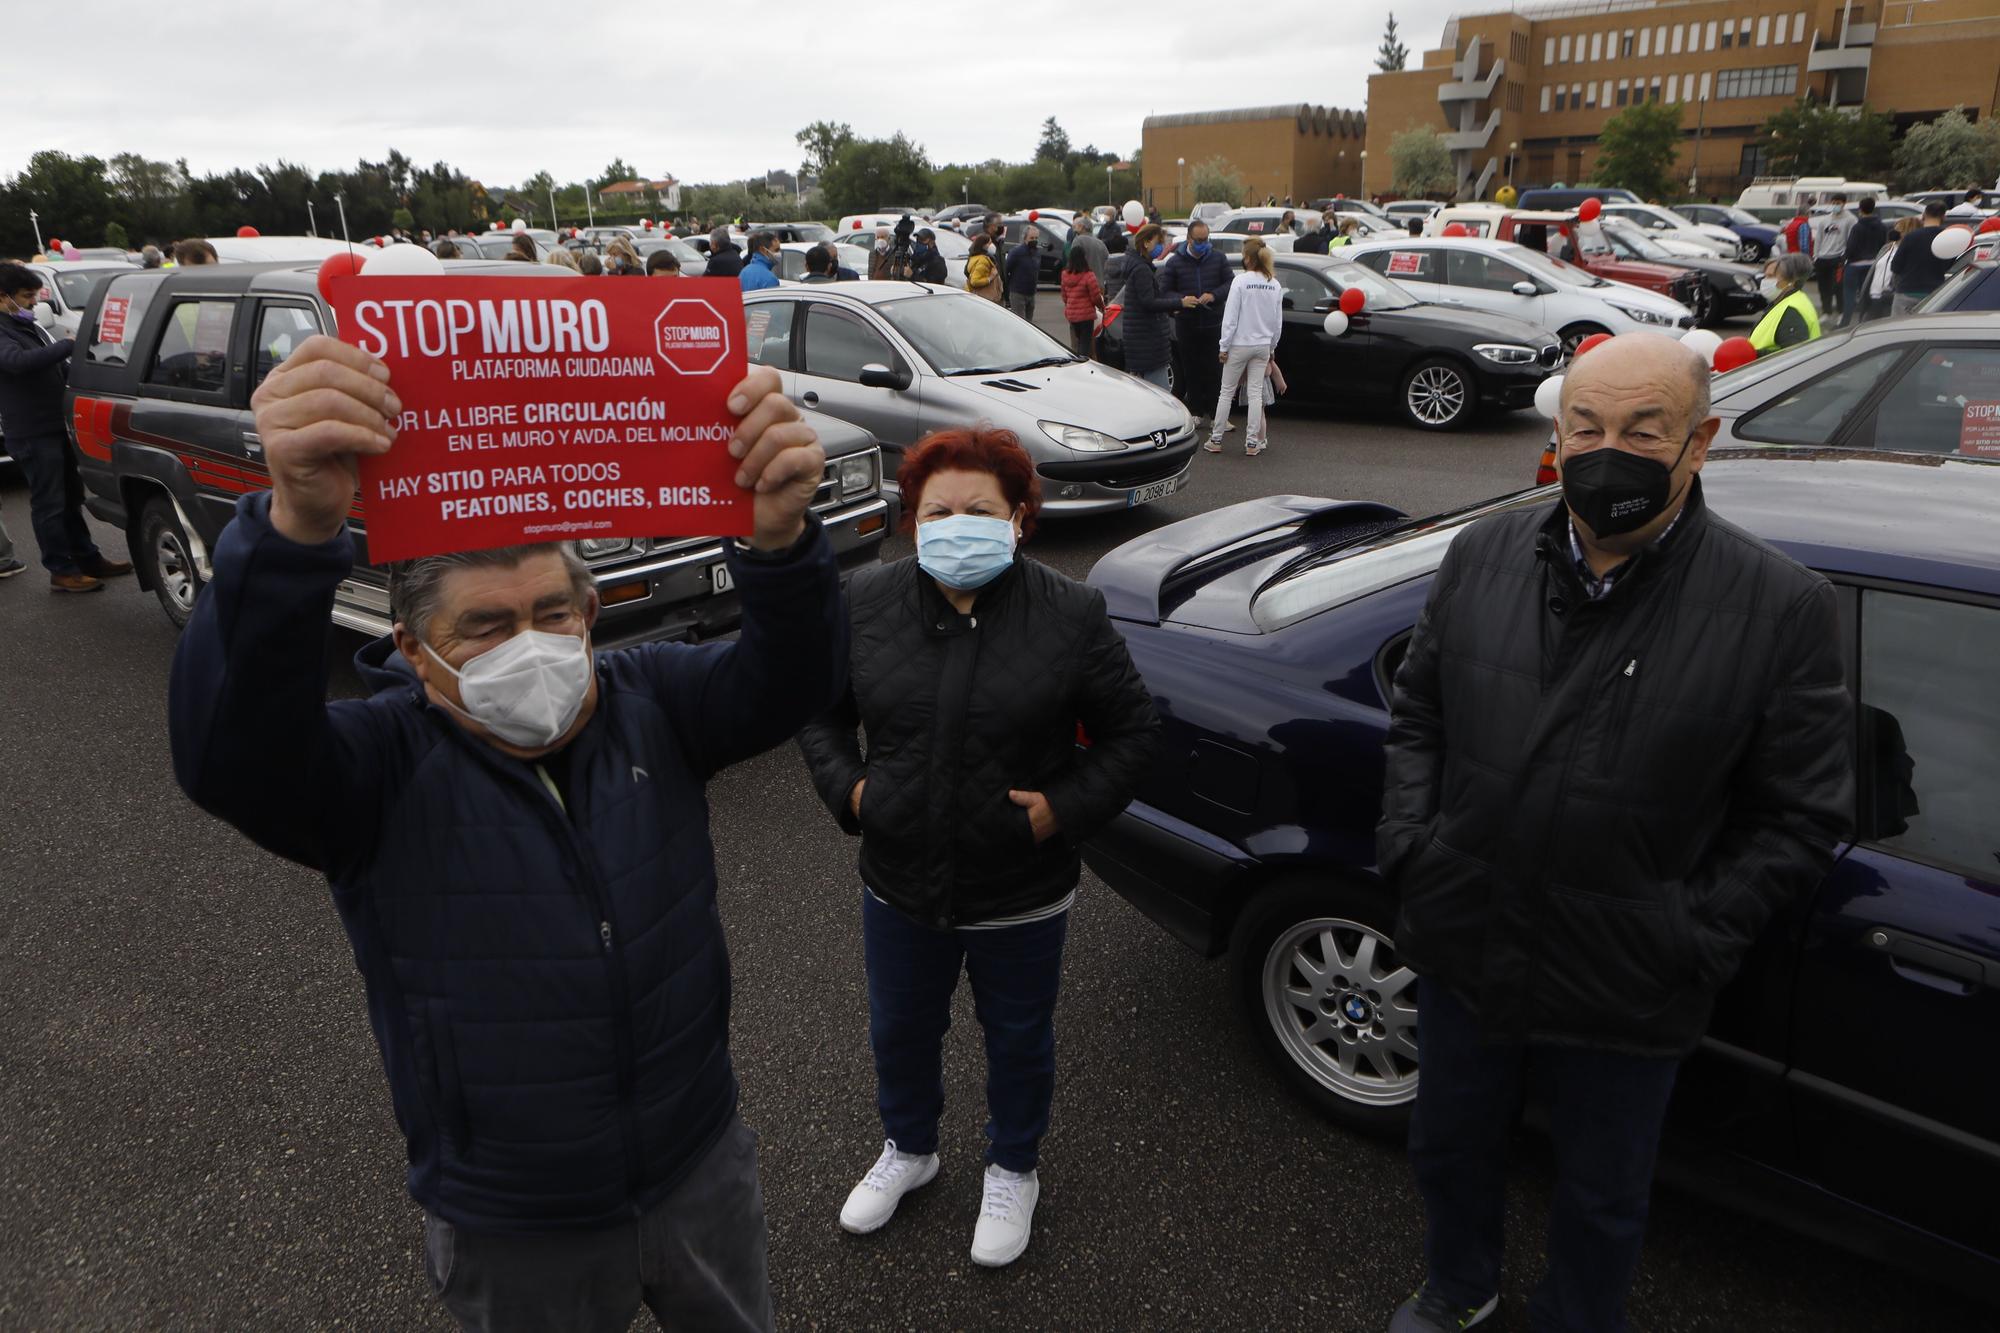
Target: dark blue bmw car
{"x":1857,"y":1053}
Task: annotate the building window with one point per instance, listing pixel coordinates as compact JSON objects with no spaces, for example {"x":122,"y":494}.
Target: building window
{"x":1549,"y":51}
{"x":1764,"y":81}
{"x":1677,"y":39}
{"x":1565,"y":49}
{"x":1660,"y":40}
{"x":1756,"y":160}
{"x":1575,"y":96}
{"x":1548,"y":96}
{"x":1728,"y":34}
{"x":1711,"y":34}
{"x":1606,"y":97}
{"x":1704,"y":87}
{"x":1597,"y":46}
{"x":1673,"y":87}
{"x":1625,"y":45}
{"x":1645,"y":42}
{"x":1764,"y":30}
{"x":1799,"y":26}
{"x":1562,"y":98}
{"x":1624,"y":92}
{"x":1653,"y":93}
{"x":1590,"y":94}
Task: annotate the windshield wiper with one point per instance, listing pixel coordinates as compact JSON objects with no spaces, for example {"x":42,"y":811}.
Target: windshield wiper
{"x":976,"y":370}
{"x":1048,"y":361}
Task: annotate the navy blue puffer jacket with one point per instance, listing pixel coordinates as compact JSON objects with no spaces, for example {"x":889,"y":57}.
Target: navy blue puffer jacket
{"x":547,"y":983}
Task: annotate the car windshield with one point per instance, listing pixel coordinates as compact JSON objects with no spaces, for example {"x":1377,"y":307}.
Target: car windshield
{"x":1559,"y":269}
{"x":968,"y":335}
{"x":1631,"y":243}
{"x":1739,"y":217}
{"x":1382,"y":294}
{"x":77,"y":287}
{"x":813,"y":231}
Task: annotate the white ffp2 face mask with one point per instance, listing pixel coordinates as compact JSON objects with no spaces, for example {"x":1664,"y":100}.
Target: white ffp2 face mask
{"x":528,"y":690}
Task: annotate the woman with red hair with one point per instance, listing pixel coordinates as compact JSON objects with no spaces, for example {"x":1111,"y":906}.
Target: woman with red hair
{"x":971,"y":671}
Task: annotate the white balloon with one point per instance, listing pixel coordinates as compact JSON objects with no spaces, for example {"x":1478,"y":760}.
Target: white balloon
{"x":1134,"y":213}
{"x":1702,"y":342}
{"x":520,"y":224}
{"x":1548,"y":396}
{"x":405,"y":259}
{"x":1952,"y":242}
{"x":1336,"y":323}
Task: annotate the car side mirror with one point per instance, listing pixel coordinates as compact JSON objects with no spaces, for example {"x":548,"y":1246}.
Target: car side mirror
{"x":1525,"y":288}
{"x":45,"y":314}
{"x":875,"y":375}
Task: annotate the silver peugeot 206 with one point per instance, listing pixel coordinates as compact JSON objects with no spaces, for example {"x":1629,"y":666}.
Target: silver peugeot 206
{"x":903,"y":359}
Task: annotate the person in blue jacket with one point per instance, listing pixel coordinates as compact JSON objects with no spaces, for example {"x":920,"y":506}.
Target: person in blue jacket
{"x":766,"y":262}
{"x":515,"y":831}
{"x":1024,"y":273}
{"x":1196,"y":268}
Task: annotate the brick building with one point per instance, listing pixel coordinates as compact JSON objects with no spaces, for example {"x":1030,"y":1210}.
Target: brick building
{"x":1520,"y":95}
{"x":1299,"y":152}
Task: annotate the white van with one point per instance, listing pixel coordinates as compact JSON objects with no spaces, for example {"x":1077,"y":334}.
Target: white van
{"x":1767,"y":196}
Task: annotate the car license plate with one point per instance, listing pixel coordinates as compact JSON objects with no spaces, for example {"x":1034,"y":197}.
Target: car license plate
{"x":718,"y":578}
{"x":1158,"y":490}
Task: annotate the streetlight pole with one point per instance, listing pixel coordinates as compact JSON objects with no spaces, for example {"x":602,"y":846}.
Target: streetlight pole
{"x":1364,"y":173}
{"x":1180,"y":171}
{"x":340,"y":202}
{"x":1513,"y":147}
{"x":34,"y":220}
{"x":552,"y":204}
{"x":1107,"y":186}
{"x":312,"y":224}
{"x":966,"y":191}
{"x":589,"y":209}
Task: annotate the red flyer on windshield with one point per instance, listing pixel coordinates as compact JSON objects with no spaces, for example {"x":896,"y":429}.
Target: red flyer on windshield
{"x":555,"y":410}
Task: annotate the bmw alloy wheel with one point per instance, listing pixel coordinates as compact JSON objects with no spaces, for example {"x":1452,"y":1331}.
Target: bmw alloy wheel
{"x":1436,"y":395}
{"x":1344,"y":1010}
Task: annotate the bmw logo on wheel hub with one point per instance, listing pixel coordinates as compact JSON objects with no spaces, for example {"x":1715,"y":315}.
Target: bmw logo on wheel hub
{"x":1357,"y":1010}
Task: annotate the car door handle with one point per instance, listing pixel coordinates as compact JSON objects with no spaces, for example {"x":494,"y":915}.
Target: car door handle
{"x":811,"y":398}
{"x":1940,"y":962}
{"x":253,"y":444}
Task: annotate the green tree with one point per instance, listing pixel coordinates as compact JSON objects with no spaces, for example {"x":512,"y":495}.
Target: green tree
{"x":822,"y":141}
{"x":151,"y":196}
{"x":70,"y":194}
{"x":1032,"y":185}
{"x":617,"y":171}
{"x":1636,"y":148}
{"x":1054,"y":143}
{"x":114,"y":234}
{"x":1808,"y":139}
{"x":1392,"y":54}
{"x":1949,"y":153}
{"x":872,"y":172}
{"x":403,"y":219}
{"x":1420,"y":164}
{"x":1215,"y":182}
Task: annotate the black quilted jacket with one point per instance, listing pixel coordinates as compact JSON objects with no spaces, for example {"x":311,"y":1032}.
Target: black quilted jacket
{"x":960,"y":709}
{"x":1592,"y":809}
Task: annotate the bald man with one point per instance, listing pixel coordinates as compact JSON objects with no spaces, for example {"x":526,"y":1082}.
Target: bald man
{"x":1618,"y":747}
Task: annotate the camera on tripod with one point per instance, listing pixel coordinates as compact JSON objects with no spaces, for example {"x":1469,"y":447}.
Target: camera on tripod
{"x":900,"y":265}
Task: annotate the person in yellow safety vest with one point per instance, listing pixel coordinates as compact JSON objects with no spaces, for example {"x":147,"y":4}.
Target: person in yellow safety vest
{"x":1791,"y":319}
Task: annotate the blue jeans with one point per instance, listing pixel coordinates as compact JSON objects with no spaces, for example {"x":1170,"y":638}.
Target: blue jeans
{"x":1157,"y":375}
{"x":1854,"y":290}
{"x":55,"y":502}
{"x":912,"y":972}
{"x":1605,"y":1112}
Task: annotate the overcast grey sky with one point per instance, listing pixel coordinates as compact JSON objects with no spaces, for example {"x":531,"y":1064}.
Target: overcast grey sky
{"x":502,"y":89}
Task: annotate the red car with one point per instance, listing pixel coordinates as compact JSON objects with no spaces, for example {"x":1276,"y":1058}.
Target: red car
{"x":1583,"y":244}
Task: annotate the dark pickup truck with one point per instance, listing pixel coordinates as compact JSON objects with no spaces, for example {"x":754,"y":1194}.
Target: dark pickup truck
{"x":160,"y":415}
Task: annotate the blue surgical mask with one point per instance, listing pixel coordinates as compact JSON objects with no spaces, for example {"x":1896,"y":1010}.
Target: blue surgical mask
{"x":1199,"y":249}
{"x":920,"y":250}
{"x":1159,"y":248}
{"x":965,"y":551}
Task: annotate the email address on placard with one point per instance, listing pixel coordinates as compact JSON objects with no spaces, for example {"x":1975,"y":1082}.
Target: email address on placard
{"x":567,"y":525}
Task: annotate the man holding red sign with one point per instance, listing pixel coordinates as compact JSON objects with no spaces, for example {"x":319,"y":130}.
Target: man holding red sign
{"x":515,"y":831}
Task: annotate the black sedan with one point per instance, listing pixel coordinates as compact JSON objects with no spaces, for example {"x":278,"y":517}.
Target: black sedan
{"x":1845,"y":1061}
{"x":1726,"y":289}
{"x":1435,"y":364}
{"x":1973,"y":282}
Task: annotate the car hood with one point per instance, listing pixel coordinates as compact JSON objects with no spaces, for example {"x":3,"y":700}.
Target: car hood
{"x":1081,"y":393}
{"x":1475,"y":325}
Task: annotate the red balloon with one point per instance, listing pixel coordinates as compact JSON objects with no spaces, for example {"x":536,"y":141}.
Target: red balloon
{"x":54,"y":246}
{"x":1352,"y":300}
{"x":1592,"y":341}
{"x":857,"y":224}
{"x":1588,"y":210}
{"x":1340,"y":196}
{"x":1991,"y":224}
{"x":340,"y":264}
{"x":246,"y":231}
{"x":1734,"y":352}
{"x":1034,"y":216}
{"x":1455,"y":229}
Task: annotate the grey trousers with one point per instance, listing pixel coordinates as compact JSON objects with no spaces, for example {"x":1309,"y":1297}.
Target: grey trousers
{"x":697,"y":1261}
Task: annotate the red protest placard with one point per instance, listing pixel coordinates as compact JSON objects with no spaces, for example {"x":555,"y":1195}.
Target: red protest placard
{"x":111,"y":322}
{"x":1406,"y":263}
{"x":1979,"y":430}
{"x":551,"y":410}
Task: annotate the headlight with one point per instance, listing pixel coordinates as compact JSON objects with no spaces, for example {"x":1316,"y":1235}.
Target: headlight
{"x":596,"y":548}
{"x":1644,"y":316}
{"x":1506,"y":354}
{"x":857,"y":474}
{"x":1745,"y":283}
{"x":1080,"y":438}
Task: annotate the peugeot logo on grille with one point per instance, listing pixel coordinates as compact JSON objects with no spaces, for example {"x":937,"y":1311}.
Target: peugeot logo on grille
{"x":1159,"y":439}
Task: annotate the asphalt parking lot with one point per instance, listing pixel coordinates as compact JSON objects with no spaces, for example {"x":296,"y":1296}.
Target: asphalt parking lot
{"x":194,"y":1129}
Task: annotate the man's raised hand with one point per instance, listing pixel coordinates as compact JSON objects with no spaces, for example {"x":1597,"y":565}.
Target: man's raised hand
{"x":780,"y":458}
{"x":316,"y":413}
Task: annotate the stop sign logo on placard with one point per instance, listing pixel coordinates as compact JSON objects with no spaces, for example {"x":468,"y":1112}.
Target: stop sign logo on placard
{"x":690,"y":336}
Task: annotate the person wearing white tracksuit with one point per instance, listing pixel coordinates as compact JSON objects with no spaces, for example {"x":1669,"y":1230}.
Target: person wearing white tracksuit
{"x":1252,"y":319}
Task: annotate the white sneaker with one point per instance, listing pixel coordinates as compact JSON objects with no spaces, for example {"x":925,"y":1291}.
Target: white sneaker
{"x":1006,"y":1217}
{"x":873,"y":1202}
{"x":1228,"y":426}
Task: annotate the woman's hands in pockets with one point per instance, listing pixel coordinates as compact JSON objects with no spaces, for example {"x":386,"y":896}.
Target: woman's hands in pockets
{"x":1041,"y":815}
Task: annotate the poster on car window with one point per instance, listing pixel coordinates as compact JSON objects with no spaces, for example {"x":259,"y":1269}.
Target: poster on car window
{"x":1979,"y":430}
{"x":558,"y":410}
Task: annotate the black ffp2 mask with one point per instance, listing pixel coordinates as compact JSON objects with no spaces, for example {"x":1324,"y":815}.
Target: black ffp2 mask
{"x":1616,"y":492}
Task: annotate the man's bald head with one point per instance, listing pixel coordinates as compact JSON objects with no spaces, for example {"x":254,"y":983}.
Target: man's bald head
{"x":1640,"y":365}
